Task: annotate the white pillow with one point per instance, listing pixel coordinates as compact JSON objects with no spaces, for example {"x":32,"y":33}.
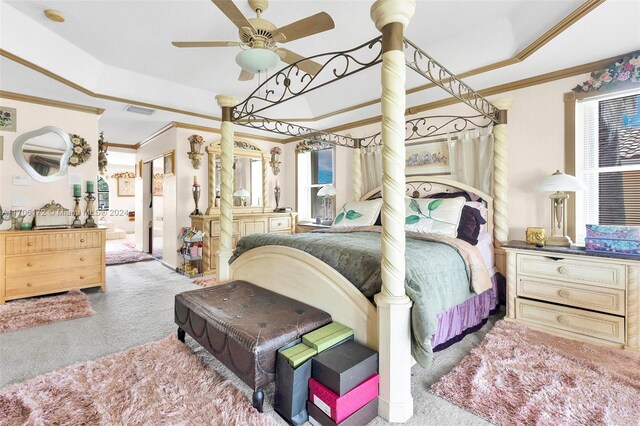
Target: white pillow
{"x":434,"y":215}
{"x":358,"y":213}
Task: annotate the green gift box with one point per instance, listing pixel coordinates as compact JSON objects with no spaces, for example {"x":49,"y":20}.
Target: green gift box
{"x":327,"y":336}
{"x":298,"y":354}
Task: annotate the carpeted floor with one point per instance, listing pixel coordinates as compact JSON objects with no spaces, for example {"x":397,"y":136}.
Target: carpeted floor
{"x":521,"y":376}
{"x":36,"y":311}
{"x":138,"y":308}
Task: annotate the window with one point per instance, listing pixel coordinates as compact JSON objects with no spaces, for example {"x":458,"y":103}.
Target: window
{"x":608,"y":161}
{"x":315,"y":169}
{"x":103,"y":194}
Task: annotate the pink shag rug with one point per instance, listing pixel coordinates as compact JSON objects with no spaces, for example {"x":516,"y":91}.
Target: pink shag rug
{"x":126,"y":256}
{"x":26,"y":313}
{"x":519,"y":376}
{"x":159,"y":383}
{"x":206,"y":281}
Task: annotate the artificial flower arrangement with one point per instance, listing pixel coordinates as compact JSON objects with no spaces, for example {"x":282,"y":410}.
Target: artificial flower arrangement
{"x":626,"y":69}
{"x":274,"y":163}
{"x":81,"y":151}
{"x":123,"y":175}
{"x":102,"y":154}
{"x":196,"y":139}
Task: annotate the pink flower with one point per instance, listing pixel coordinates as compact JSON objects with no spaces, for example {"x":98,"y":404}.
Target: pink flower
{"x":591,"y":80}
{"x":606,"y":77}
{"x":585,"y":88}
{"x":628,"y":67}
{"x":622,"y":76}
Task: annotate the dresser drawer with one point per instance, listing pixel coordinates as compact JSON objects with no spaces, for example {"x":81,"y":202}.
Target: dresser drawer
{"x":36,"y":263}
{"x":38,"y":242}
{"x":31,"y":285}
{"x":279,"y":224}
{"x":600,"y":326}
{"x":215,"y":227}
{"x":577,"y":295}
{"x":572,"y":270}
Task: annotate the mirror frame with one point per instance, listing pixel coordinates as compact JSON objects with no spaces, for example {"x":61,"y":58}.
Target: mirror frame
{"x":18,"y":144}
{"x":241,"y":149}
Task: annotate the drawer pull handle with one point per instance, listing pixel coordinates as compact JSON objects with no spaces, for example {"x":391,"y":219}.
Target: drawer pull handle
{"x":563,"y":293}
{"x":562,"y":269}
{"x":82,"y":259}
{"x":28,"y":284}
{"x":29,"y":244}
{"x":29,"y":264}
{"x":82,"y":277}
{"x":82,"y":240}
{"x":562,"y":320}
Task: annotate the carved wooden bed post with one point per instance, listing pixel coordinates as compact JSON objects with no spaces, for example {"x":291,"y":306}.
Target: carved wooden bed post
{"x":501,"y":182}
{"x":394,"y":307}
{"x":357,"y":173}
{"x":227,"y":103}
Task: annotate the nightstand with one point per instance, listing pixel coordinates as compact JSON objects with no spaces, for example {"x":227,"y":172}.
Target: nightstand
{"x":302,"y":227}
{"x":572,"y":293}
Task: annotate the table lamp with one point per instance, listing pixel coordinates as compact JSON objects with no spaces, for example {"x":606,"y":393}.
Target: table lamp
{"x":243,"y":194}
{"x":559,"y":183}
{"x":327,"y":192}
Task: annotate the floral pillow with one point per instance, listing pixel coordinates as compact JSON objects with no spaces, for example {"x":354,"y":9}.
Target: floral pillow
{"x":434,"y":215}
{"x":358,"y":213}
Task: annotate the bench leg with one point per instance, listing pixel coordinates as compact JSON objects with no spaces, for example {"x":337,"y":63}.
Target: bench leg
{"x":181,"y":334}
{"x":258,"y":400}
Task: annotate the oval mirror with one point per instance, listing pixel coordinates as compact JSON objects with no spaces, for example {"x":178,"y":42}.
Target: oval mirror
{"x":44,"y":153}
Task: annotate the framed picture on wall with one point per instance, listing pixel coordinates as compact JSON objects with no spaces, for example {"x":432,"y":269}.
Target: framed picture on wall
{"x":158,"y":178}
{"x":169,"y":163}
{"x":429,"y":157}
{"x":126,"y":187}
{"x":8,"y":118}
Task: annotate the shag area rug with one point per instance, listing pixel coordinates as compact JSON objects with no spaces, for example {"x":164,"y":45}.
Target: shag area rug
{"x":206,"y":281}
{"x":521,"y":376}
{"x":159,"y":383}
{"x":127,"y":255}
{"x":26,"y":313}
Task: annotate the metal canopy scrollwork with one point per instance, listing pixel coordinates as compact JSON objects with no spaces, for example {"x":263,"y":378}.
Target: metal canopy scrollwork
{"x":419,"y":61}
{"x":291,"y":81}
{"x":284,"y":128}
{"x":432,"y":126}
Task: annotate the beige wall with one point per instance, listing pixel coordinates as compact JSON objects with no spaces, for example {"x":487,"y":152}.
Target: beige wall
{"x":536,"y":149}
{"x":119,"y":206}
{"x":32,"y":117}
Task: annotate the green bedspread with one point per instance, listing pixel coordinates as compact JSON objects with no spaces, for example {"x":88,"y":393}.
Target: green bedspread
{"x":437,"y":277}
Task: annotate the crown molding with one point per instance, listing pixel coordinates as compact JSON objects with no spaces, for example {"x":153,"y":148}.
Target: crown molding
{"x":121,"y":146}
{"x":507,"y":87}
{"x":561,"y":26}
{"x":50,"y":102}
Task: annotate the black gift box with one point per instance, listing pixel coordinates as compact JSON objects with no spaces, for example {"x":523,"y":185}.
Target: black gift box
{"x":360,"y":418}
{"x":292,"y":388}
{"x":344,"y":366}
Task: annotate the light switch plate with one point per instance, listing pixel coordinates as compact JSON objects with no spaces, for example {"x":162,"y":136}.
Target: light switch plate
{"x":21,"y":180}
{"x":19,"y":201}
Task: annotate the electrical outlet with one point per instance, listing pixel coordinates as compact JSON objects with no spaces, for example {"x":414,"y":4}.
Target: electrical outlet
{"x":19,"y":201}
{"x":21,"y":180}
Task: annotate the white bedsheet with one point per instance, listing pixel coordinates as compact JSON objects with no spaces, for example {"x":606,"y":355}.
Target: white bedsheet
{"x":485,"y":245}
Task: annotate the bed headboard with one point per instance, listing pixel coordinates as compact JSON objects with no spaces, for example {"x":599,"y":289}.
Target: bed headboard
{"x":424,"y":186}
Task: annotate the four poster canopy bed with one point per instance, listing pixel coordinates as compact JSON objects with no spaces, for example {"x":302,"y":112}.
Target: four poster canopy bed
{"x":381,"y":316}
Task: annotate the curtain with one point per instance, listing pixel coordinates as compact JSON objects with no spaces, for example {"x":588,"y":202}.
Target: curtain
{"x":371,"y":158}
{"x":471,"y":158}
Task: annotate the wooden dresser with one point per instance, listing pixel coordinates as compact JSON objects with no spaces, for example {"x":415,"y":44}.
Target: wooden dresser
{"x":574,"y":293}
{"x":40,"y":262}
{"x":243,"y":224}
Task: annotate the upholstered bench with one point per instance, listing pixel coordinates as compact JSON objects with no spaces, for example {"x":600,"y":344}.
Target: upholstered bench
{"x":243,"y":326}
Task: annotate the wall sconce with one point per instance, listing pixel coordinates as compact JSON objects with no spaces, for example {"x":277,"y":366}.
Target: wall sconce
{"x":274,"y":163}
{"x":195,"y":155}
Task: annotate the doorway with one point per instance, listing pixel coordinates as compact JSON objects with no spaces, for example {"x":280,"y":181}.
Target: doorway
{"x":156,"y":227}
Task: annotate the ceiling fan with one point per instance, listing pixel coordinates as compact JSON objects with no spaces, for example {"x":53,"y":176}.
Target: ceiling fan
{"x":258,"y":37}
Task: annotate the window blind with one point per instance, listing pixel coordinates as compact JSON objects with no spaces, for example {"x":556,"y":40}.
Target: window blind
{"x":610,"y":163}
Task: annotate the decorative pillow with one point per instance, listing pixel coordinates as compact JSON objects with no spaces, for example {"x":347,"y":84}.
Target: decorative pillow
{"x":471,"y":222}
{"x":451,"y":195}
{"x":358,"y":213}
{"x":434,"y":215}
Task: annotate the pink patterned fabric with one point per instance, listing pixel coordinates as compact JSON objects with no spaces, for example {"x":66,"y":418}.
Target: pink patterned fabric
{"x":340,"y":407}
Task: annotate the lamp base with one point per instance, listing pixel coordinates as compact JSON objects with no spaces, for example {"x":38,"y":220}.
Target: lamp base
{"x":559,"y":241}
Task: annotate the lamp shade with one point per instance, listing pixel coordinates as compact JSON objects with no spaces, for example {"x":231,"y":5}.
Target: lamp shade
{"x":327,"y":190}
{"x":257,"y":59}
{"x":241,"y":193}
{"x":560,"y":182}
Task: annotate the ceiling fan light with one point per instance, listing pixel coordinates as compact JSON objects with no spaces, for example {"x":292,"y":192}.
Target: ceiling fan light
{"x":257,"y":59}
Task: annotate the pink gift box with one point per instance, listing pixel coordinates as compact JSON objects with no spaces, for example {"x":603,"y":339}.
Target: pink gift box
{"x":340,"y":407}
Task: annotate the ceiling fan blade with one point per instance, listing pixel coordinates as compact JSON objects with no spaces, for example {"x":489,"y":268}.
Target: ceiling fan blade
{"x":232,"y":12}
{"x":245,"y":76}
{"x":205,"y":43}
{"x":308,"y":66}
{"x":305,"y":27}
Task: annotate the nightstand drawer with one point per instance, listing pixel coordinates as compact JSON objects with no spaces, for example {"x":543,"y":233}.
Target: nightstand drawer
{"x":600,"y":326}
{"x":572,"y":270}
{"x":601,"y":299}
{"x":279,"y":224}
